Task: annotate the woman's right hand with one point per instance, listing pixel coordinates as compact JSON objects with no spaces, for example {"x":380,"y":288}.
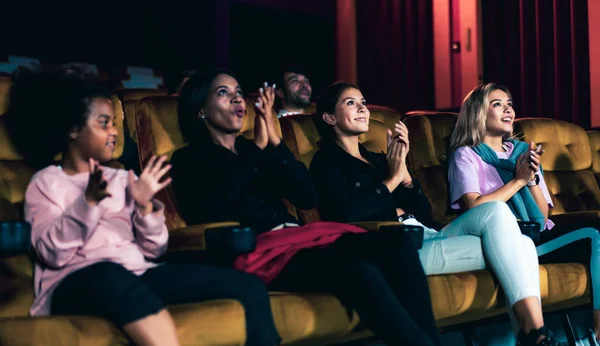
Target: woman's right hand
{"x":96,"y":189}
{"x":261,"y":135}
{"x":523,"y":171}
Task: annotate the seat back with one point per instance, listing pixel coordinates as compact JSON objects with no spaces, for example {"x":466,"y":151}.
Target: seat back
{"x":385,"y":115}
{"x":300,"y":134}
{"x":594,"y":138}
{"x":157,"y":129}
{"x":429,"y":134}
{"x":138,"y":94}
{"x":567,"y":162}
{"x":158,"y":133}
{"x":5,"y":84}
{"x":130,"y":97}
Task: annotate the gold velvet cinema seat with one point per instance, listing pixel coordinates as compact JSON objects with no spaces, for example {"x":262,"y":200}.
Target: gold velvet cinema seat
{"x":594,"y":137}
{"x":130,"y":97}
{"x":568,"y":166}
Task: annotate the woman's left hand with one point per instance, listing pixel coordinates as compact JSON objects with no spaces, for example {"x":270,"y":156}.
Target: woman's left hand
{"x":401,"y":135}
{"x":149,"y":183}
{"x":534,"y":157}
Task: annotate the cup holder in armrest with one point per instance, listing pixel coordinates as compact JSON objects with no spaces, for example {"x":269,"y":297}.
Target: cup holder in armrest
{"x":530,"y":229}
{"x":224,"y":244}
{"x":415,"y":233}
{"x":15,"y":238}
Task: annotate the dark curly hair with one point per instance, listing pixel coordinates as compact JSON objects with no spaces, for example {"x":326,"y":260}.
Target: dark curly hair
{"x":326,"y":104}
{"x":191,"y":100}
{"x":46,"y":104}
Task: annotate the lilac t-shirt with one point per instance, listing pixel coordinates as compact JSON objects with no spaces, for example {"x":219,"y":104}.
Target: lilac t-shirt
{"x":468,"y":173}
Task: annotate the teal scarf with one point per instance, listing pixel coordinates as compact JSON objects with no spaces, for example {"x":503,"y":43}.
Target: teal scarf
{"x":522,"y":203}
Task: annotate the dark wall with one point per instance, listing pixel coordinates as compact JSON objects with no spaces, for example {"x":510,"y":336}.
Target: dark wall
{"x":173,"y":35}
{"x":263,"y":36}
{"x":112,"y":33}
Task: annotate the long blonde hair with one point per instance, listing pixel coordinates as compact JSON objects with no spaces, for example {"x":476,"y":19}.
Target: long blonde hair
{"x":470,"y":126}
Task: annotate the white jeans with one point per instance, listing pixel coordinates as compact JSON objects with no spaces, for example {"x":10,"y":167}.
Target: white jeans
{"x":487,"y":232}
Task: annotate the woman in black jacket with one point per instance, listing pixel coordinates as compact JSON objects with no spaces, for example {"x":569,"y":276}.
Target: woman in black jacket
{"x":221,"y":176}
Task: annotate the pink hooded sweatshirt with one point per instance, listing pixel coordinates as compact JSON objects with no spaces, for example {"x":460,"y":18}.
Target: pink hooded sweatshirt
{"x":68,"y":234}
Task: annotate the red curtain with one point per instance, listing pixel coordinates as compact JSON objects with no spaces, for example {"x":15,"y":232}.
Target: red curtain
{"x":395,"y":53}
{"x":539,"y":49}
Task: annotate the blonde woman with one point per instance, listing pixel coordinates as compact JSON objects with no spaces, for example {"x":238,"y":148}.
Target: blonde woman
{"x":487,"y":164}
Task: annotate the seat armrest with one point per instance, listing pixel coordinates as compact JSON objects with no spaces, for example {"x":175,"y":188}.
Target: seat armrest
{"x":530,"y":229}
{"x":415,"y":233}
{"x":192,"y":238}
{"x":374,"y":226}
{"x":575,"y":217}
{"x":8,"y":212}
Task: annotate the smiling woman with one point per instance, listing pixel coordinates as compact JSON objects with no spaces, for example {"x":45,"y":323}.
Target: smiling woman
{"x":488,"y":165}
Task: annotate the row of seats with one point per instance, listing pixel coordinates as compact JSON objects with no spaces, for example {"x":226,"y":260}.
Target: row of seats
{"x":311,"y":319}
{"x":457,"y":298}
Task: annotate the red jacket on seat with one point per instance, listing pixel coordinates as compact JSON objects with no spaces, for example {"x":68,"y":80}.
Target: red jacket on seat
{"x":274,"y":249}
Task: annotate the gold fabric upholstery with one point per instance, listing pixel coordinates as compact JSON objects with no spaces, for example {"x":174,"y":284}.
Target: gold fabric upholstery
{"x":5,"y":84}
{"x":567,"y":162}
{"x":157,"y":127}
{"x":594,"y":138}
{"x":129,"y":98}
{"x":429,"y":134}
{"x":138,"y":94}
{"x":301,"y":136}
{"x":566,"y":145}
{"x":129,"y":110}
{"x":385,"y":115}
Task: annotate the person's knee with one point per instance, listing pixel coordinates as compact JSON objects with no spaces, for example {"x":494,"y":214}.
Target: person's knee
{"x":499,"y":218}
{"x":495,"y":208}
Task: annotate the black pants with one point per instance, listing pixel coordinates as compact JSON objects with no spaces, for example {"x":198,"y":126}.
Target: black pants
{"x":378,"y":274}
{"x":109,"y":290}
